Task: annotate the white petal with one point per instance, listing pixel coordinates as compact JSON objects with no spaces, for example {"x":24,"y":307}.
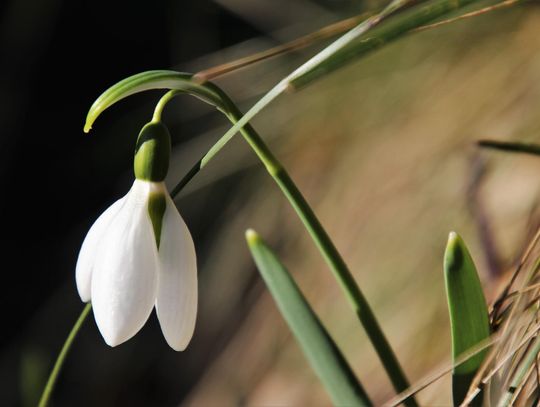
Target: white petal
{"x":124,"y":279}
{"x":176,"y":303}
{"x":87,"y":254}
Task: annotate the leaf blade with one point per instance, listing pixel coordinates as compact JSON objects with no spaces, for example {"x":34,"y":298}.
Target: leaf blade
{"x":393,"y":29}
{"x":319,"y":348}
{"x":149,"y":80}
{"x":468,"y":311}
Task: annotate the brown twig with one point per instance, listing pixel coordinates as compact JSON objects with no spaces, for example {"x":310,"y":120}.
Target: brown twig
{"x":297,"y":44}
{"x":525,"y":256}
{"x":479,"y":377}
{"x":325,"y":33}
{"x":506,"y":3}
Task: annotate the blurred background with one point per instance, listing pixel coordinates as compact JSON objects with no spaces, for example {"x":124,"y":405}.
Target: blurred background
{"x":383,"y":150}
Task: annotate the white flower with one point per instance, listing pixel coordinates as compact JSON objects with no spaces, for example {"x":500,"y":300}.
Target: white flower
{"x":132,"y":259}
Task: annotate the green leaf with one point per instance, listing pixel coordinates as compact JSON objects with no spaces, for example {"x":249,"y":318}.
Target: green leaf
{"x":321,"y":351}
{"x":210,"y":93}
{"x":147,"y":81}
{"x":469,"y":318}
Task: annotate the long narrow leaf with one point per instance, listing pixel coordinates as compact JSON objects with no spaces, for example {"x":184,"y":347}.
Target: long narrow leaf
{"x":321,"y":351}
{"x":212,"y":94}
{"x":393,"y":29}
{"x":159,"y":79}
{"x":468,"y":313}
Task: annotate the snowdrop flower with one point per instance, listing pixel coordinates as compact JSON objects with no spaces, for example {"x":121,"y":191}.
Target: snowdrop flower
{"x":139,"y":253}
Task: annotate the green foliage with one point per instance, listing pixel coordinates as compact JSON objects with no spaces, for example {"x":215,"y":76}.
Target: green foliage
{"x":159,"y":79}
{"x":468,"y":313}
{"x":184,"y":83}
{"x":319,"y":348}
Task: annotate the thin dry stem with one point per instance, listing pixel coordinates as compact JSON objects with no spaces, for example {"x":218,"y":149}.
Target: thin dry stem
{"x":449,"y":367}
{"x":476,"y":13}
{"x":324,"y":33}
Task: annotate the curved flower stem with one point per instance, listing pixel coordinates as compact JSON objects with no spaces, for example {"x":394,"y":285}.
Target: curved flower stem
{"x":44,"y":400}
{"x":158,"y":111}
{"x":321,"y":239}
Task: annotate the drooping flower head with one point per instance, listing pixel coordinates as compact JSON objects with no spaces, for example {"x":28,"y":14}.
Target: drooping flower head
{"x":139,"y":254}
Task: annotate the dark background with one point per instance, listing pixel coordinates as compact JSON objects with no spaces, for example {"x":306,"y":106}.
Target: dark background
{"x":56,"y":58}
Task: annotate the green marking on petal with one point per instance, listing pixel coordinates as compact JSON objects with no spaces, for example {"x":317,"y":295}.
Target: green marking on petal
{"x":157,"y":204}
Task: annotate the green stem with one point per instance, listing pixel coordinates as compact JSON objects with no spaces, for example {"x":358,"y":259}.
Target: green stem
{"x":352,"y":45}
{"x":158,"y":111}
{"x":308,"y":66}
{"x":320,"y":237}
{"x":49,"y":387}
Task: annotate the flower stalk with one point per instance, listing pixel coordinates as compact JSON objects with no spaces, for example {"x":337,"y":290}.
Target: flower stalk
{"x":51,"y":381}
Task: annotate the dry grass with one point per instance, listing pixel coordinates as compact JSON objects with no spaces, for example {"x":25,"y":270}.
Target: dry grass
{"x":383,"y":151}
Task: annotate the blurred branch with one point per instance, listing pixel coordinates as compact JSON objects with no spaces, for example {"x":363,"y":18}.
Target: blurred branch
{"x":481,"y":218}
{"x":512,"y":147}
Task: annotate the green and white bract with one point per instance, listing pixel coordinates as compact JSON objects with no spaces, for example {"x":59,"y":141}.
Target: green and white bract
{"x":124,"y":269}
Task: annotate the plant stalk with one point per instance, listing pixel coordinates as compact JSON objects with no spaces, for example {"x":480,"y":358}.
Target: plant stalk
{"x":51,"y":382}
{"x":321,"y":239}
